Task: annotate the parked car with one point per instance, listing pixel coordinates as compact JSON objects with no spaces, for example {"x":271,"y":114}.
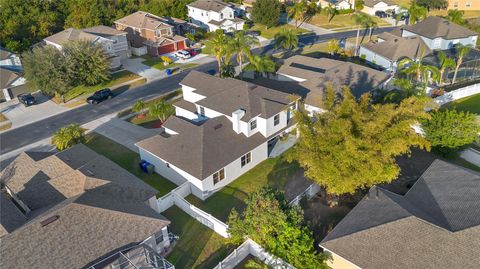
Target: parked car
{"x":381,"y":14}
{"x":26,"y":99}
{"x":183,"y":54}
{"x":100,"y":96}
{"x":192,"y":51}
{"x":254,"y":33}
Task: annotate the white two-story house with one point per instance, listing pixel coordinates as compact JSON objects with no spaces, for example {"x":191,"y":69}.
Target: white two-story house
{"x":441,"y":34}
{"x":215,"y":14}
{"x":222,"y":129}
{"x":113,"y":42}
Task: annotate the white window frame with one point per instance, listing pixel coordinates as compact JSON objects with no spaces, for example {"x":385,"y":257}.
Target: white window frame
{"x":275,"y":119}
{"x":246,"y":159}
{"x":220,"y":174}
{"x":253,"y":122}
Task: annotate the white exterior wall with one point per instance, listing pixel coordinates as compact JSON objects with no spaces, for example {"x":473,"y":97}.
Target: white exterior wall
{"x":441,"y":43}
{"x":234,"y":169}
{"x":270,"y":128}
{"x":202,"y":17}
{"x":284,"y":77}
{"x":185,"y":113}
{"x":381,"y":6}
{"x":372,"y":57}
{"x":189,"y":95}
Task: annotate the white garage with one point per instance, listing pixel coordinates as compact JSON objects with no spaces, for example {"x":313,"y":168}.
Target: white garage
{"x":372,"y":6}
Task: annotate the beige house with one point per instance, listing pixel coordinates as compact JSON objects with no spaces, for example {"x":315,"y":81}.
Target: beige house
{"x":464,"y":4}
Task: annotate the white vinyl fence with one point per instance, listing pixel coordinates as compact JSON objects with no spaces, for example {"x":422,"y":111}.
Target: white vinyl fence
{"x":471,"y":155}
{"x":176,"y":197}
{"x":309,"y":193}
{"x":251,"y":247}
{"x":458,"y":94}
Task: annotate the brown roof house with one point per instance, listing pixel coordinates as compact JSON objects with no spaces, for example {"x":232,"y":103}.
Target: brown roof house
{"x":390,"y":48}
{"x":221,"y":129}
{"x":78,"y":209}
{"x":113,"y":42}
{"x":436,"y":224}
{"x":308,"y":77}
{"x":153,"y":34}
{"x":440,"y":34}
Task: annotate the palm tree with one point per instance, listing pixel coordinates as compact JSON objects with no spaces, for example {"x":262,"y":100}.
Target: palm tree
{"x":261,"y":65}
{"x":361,"y":19}
{"x":461,"y":51}
{"x":417,"y":13}
{"x":286,"y":39}
{"x":68,"y":136}
{"x":333,"y":46}
{"x":161,"y":110}
{"x":297,"y":11}
{"x":421,"y":71}
{"x":359,"y":5}
{"x":455,"y":16}
{"x":445,"y":62}
{"x":331,"y":11}
{"x":138,"y":107}
{"x":220,"y":46}
{"x":372,"y":24}
{"x":228,"y":71}
{"x":405,"y":89}
{"x":242,"y":44}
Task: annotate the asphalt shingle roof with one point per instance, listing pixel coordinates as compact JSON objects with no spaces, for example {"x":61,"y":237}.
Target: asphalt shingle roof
{"x":435,"y":225}
{"x":213,"y":5}
{"x":433,"y":27}
{"x":395,"y":48}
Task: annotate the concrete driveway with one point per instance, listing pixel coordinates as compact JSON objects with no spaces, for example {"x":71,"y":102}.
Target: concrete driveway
{"x":20,"y":115}
{"x":136,"y":66}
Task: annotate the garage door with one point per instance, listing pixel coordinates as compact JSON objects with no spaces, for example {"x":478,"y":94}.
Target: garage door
{"x":181,"y":45}
{"x":166,"y":49}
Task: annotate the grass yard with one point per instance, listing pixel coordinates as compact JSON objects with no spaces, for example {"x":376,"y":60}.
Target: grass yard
{"x":198,"y":246}
{"x":340,"y":22}
{"x":468,"y":14}
{"x":3,"y":117}
{"x":403,"y":3}
{"x":270,"y":33}
{"x":128,"y":160}
{"x":323,"y":47}
{"x":117,"y":78}
{"x":273,"y":172}
{"x":156,"y":62}
{"x":471,"y":103}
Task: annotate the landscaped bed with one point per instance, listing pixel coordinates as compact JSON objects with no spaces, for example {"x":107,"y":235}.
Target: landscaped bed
{"x":273,"y":172}
{"x":116,"y":78}
{"x":198,"y":246}
{"x":270,"y":33}
{"x":128,"y":160}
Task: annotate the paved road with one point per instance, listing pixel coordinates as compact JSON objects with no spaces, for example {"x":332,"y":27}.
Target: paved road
{"x":39,"y":130}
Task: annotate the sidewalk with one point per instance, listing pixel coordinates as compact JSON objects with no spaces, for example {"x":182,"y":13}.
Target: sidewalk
{"x":136,"y":66}
{"x":310,"y":27}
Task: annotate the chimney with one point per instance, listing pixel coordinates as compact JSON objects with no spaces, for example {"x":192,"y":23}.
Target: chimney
{"x":236,"y":116}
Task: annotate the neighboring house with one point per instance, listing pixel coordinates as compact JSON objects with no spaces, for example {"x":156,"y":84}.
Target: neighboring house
{"x":215,"y":14}
{"x":436,"y":224}
{"x":10,"y":60}
{"x":338,"y":4}
{"x":372,"y":6}
{"x":464,"y":4}
{"x":222,"y":129}
{"x":308,"y":77}
{"x":75,"y":209}
{"x":440,"y":34}
{"x":391,"y":48}
{"x":10,"y":75}
{"x":112,"y":41}
{"x":153,"y":34}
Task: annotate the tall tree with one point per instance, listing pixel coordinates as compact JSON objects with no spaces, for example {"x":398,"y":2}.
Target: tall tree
{"x":242,"y":44}
{"x":359,"y":5}
{"x":421,"y":71}
{"x":331,"y":12}
{"x":88,"y":62}
{"x":220,"y":46}
{"x":353,"y":144}
{"x":46,"y":69}
{"x":462,"y":51}
{"x":404,"y":89}
{"x":444,"y":62}
{"x":361,"y":20}
{"x":433,"y":4}
{"x":450,"y":130}
{"x":286,"y":39}
{"x":371,"y":24}
{"x":303,"y":11}
{"x":161,"y":110}
{"x":333,"y":46}
{"x":260,"y":64}
{"x":456,"y":16}
{"x":68,"y":136}
{"x":416,"y":13}
{"x":269,"y":221}
{"x":266,"y":12}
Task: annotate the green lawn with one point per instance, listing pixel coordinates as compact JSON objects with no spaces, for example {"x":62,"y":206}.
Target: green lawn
{"x":270,"y":33}
{"x":156,"y":62}
{"x":198,"y":246}
{"x":128,"y":160}
{"x":117,"y":78}
{"x":273,"y":172}
{"x":471,"y":103}
{"x":343,"y":21}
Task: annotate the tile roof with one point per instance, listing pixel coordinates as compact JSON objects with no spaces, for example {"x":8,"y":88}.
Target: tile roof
{"x":228,"y":95}
{"x":395,"y":48}
{"x":317,"y":73}
{"x":145,"y":20}
{"x":70,"y":34}
{"x":435,"y":225}
{"x":433,"y":27}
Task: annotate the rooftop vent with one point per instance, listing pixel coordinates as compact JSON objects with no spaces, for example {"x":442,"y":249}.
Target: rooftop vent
{"x":90,"y":172}
{"x":218,"y":126}
{"x":49,"y":220}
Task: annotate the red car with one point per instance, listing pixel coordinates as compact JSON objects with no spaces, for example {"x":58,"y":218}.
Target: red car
{"x":192,"y":51}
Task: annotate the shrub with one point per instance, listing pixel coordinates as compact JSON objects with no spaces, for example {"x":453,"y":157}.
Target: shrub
{"x":167,"y":60}
{"x":68,"y":136}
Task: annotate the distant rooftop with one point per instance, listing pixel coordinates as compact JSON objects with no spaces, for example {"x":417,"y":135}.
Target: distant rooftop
{"x":433,"y":27}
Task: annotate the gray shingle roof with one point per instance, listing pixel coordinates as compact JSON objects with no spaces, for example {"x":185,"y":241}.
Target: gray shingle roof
{"x":229,"y":95}
{"x":145,"y":20}
{"x":433,"y":27}
{"x":10,"y":216}
{"x":104,"y":31}
{"x":213,"y":5}
{"x":435,"y":225}
{"x":371,"y":3}
{"x":7,"y":77}
{"x":395,"y":48}
{"x":70,"y":34}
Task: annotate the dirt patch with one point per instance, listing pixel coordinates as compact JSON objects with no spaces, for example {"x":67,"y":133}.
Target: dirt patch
{"x":296,"y":185}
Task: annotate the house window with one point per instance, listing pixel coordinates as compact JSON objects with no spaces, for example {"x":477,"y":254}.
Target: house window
{"x":455,"y":4}
{"x":468,"y":4}
{"x":219,"y":176}
{"x":276,"y":120}
{"x":246,"y":159}
{"x":202,"y":111}
{"x":253,"y":125}
{"x":168,"y":165}
{"x":221,"y":16}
